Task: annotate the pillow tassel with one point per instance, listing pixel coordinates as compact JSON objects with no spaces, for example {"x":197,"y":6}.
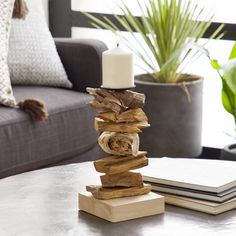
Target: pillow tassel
{"x":20,"y":9}
{"x":35,"y":108}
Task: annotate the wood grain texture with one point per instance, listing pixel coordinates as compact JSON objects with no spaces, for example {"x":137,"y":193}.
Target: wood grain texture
{"x":122,"y":209}
{"x":119,"y":143}
{"x":120,"y":117}
{"x":116,"y":192}
{"x":131,"y":115}
{"x":118,"y":164}
{"x":116,"y":101}
{"x":132,"y":127}
{"x":126,"y":179}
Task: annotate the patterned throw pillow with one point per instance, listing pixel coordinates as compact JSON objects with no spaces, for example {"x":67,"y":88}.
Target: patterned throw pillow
{"x":33,"y":58}
{"x":6,"y":95}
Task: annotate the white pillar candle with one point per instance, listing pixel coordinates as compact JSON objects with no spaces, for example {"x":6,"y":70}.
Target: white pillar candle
{"x":117,"y":69}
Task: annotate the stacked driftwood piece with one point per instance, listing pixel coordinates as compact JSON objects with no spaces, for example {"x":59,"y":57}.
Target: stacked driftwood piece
{"x":120,"y":118}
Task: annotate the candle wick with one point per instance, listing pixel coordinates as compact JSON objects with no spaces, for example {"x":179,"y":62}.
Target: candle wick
{"x":118,"y":45}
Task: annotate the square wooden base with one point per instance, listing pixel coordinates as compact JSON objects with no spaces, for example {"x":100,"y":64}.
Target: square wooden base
{"x":121,"y":209}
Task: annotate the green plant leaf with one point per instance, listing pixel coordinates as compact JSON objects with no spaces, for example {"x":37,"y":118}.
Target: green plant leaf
{"x":215,"y":65}
{"x":227,"y":97}
{"x":229,"y":74}
{"x":226,"y":102}
{"x":233,"y":52}
{"x":166,"y":28}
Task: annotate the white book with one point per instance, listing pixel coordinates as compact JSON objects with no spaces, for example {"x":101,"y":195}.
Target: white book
{"x":216,"y":197}
{"x":214,"y":176}
{"x":200,"y":205}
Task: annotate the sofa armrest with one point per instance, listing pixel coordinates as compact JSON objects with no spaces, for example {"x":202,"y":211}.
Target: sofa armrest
{"x":82,"y":60}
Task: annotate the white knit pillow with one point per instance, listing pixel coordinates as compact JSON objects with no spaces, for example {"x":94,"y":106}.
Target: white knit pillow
{"x":6,"y":95}
{"x":33,"y":58}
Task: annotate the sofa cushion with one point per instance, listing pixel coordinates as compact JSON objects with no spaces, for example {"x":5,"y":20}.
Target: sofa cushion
{"x":6,"y":95}
{"x":33,"y":58}
{"x":69,"y":130}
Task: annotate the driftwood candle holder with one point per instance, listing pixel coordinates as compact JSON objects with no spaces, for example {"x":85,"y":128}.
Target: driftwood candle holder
{"x":122,"y":194}
{"x":120,"y":118}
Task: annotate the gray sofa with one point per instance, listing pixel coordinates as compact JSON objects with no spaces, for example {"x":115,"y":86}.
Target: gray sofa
{"x":68,"y":135}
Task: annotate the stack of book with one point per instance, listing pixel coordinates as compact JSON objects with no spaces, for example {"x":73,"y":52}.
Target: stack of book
{"x":203,"y":185}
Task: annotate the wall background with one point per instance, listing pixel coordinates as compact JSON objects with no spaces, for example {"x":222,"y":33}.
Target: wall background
{"x":45,"y":6}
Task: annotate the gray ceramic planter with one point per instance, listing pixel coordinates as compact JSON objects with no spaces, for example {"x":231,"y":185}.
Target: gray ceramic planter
{"x":228,"y":152}
{"x":176,"y":123}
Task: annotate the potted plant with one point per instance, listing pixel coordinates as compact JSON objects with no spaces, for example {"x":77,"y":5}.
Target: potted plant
{"x":170,"y":31}
{"x":227,"y":73}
